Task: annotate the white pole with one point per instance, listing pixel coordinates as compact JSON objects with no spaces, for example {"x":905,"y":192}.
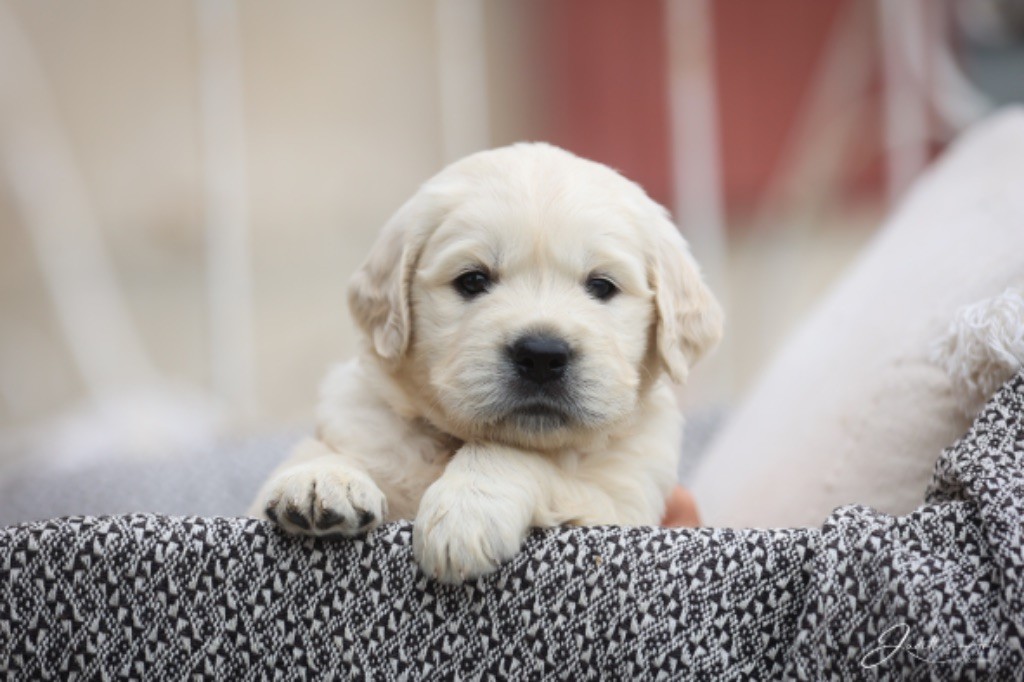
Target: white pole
{"x":697,"y":187}
{"x":957,"y":101}
{"x":693,"y":114}
{"x":222,"y":120}
{"x":901,"y":23}
{"x":50,"y":194}
{"x":462,"y":77}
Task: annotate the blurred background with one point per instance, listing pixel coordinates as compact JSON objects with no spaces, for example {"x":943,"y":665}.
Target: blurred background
{"x":185,"y":188}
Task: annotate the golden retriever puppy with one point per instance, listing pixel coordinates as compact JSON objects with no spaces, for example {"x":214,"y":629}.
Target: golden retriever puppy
{"x":520,"y":313}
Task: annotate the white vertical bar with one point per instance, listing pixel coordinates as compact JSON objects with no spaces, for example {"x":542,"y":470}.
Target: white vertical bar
{"x":694,"y":129}
{"x":462,"y":77}
{"x":222,"y":120}
{"x":693,"y":116}
{"x":957,"y":101}
{"x":902,"y":40}
{"x":51,"y":196}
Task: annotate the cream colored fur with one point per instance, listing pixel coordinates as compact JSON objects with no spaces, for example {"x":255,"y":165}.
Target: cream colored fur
{"x":422,"y":426}
{"x":982,"y":348}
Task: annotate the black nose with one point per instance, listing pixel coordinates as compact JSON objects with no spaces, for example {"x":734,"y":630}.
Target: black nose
{"x":540,"y":358}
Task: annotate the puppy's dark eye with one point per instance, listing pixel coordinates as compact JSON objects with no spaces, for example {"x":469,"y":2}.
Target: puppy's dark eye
{"x":601,"y":288}
{"x":472,"y":283}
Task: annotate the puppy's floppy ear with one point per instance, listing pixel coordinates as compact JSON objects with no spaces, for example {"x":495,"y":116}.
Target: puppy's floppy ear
{"x":378,"y":293}
{"x":689,"y":318}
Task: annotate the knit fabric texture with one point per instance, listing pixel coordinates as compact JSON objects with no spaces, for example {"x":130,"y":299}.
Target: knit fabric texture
{"x":936,"y":594}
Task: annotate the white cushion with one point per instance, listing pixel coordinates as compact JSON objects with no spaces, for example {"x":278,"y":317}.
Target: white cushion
{"x":854,"y":410}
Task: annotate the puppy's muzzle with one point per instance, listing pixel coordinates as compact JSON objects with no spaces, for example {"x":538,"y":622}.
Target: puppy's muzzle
{"x":540,"y":359}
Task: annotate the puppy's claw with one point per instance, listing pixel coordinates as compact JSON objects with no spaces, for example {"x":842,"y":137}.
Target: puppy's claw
{"x":328,"y":518}
{"x":324,"y":499}
{"x":366,"y":518}
{"x":296,"y":517}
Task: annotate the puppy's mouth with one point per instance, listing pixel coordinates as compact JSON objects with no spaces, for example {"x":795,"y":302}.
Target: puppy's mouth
{"x":539,"y":410}
{"x":538,"y":416}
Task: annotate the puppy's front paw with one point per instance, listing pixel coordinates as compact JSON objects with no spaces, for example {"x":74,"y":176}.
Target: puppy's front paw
{"x":321,"y":498}
{"x":461,"y":533}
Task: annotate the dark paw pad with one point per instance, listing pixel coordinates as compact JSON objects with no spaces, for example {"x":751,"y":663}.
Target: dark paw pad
{"x":293,"y":515}
{"x":328,"y":518}
{"x":366,"y":517}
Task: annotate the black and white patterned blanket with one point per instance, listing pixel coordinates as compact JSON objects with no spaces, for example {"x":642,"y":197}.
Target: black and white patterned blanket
{"x":938,"y":594}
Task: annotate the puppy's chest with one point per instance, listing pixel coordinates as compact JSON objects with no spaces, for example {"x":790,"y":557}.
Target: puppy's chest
{"x":591,"y":463}
{"x":435,"y":447}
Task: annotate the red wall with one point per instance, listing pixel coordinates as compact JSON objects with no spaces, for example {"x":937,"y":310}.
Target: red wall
{"x":766,"y":54}
{"x":604,"y":92}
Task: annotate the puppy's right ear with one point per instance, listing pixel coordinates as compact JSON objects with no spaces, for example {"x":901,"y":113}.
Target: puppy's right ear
{"x":378,"y":293}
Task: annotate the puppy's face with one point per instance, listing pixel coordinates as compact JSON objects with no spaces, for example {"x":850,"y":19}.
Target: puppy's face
{"x":527,"y":296}
{"x":532,"y":314}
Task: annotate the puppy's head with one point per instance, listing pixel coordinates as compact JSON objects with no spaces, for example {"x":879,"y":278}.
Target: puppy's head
{"x":527,"y":296}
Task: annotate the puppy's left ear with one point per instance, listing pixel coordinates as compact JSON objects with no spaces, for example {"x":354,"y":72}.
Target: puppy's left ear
{"x":689,"y":320}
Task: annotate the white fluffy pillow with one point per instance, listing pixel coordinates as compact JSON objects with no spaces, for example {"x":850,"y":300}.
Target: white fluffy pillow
{"x":854,"y":410}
